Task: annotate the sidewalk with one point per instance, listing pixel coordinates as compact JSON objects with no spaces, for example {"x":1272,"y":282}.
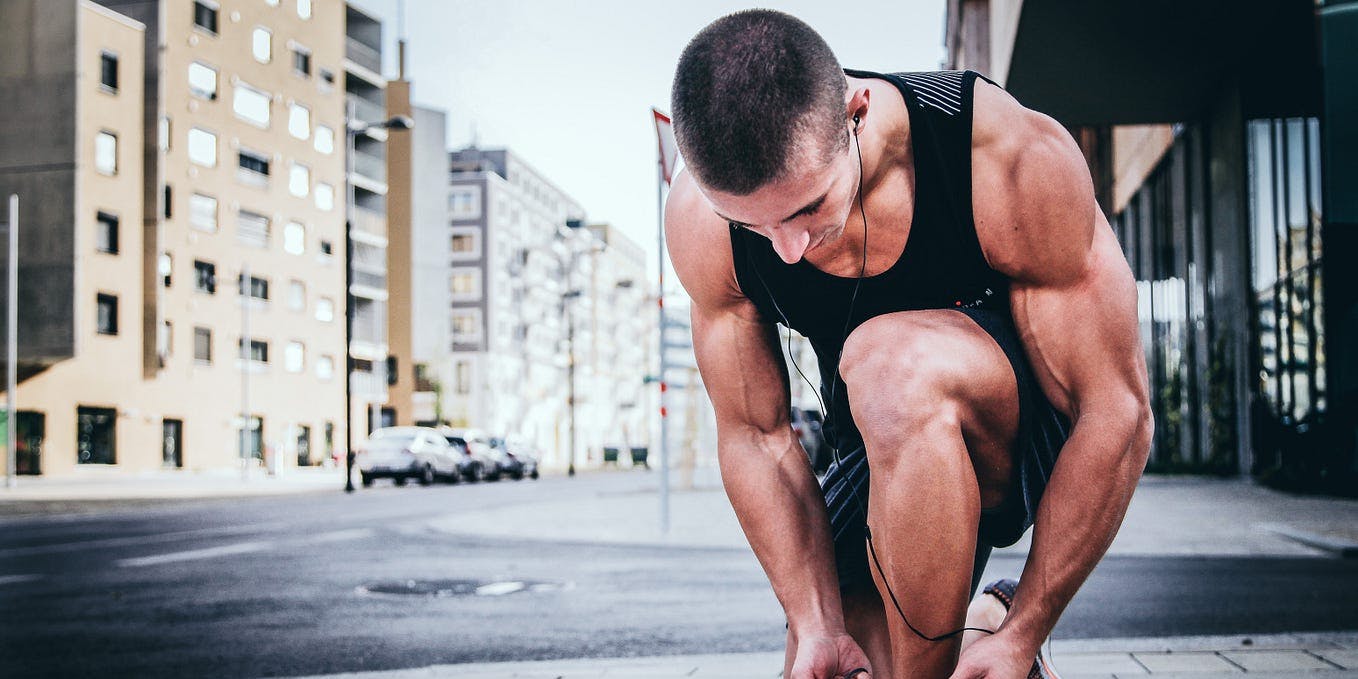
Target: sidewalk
{"x":37,"y":493}
{"x":1290,"y":656}
{"x":1168,"y":516}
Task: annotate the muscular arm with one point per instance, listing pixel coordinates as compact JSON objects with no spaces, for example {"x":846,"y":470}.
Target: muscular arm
{"x":763,"y":466}
{"x":1074,"y":303}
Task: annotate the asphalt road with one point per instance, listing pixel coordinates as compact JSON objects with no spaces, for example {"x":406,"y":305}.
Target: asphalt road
{"x":279,"y":586}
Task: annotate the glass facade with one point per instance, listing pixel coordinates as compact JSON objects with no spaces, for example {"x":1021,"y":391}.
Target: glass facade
{"x":1285,"y":252}
{"x":1165,"y":233}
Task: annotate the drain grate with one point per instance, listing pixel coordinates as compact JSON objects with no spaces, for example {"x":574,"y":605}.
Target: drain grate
{"x":450,"y":588}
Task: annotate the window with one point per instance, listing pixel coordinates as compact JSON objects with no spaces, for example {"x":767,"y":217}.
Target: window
{"x":329,"y":436}
{"x":391,"y":371}
{"x":294,"y":238}
{"x":203,"y":212}
{"x":325,"y":310}
{"x":326,"y":248}
{"x":294,"y":357}
{"x":203,"y":147}
{"x":325,"y":139}
{"x":259,"y":350}
{"x":463,"y":377}
{"x":296,"y":295}
{"x":466,"y":325}
{"x":258,"y":289}
{"x":165,"y":340}
{"x":464,"y":203}
{"x":465,"y":243}
{"x":261,"y":45}
{"x":325,"y":196}
{"x":304,"y":446}
{"x":202,"y":345}
{"x":166,"y":268}
{"x":304,"y":9}
{"x":299,"y":121}
{"x":205,"y":277}
{"x":167,"y":202}
{"x":205,"y":16}
{"x":106,"y":153}
{"x":327,"y":79}
{"x":95,"y":435}
{"x":299,"y":180}
{"x":108,"y":314}
{"x":465,"y":284}
{"x":252,"y":229}
{"x":163,"y":135}
{"x":254,"y":165}
{"x":203,"y":81}
{"x":108,"y":71}
{"x":251,"y":105}
{"x":106,"y":233}
{"x":301,"y":61}
{"x":325,"y":369}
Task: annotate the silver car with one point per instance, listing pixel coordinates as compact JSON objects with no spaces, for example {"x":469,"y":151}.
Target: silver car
{"x":403,"y":453}
{"x":476,"y":462}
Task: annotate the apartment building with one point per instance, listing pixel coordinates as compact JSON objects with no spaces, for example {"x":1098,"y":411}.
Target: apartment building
{"x":183,"y":279}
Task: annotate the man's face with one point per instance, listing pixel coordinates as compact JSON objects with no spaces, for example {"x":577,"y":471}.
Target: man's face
{"x":803,"y":211}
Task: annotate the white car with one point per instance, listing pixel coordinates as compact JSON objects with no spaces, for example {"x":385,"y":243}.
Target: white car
{"x":403,"y":453}
{"x":477,"y":461}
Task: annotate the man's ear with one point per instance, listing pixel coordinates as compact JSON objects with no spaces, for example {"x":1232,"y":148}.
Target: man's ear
{"x":856,"y":102}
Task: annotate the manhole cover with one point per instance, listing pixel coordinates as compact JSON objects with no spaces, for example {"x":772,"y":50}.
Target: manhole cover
{"x":447,"y":588}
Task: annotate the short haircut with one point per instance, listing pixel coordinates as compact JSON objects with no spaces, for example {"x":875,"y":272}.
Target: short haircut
{"x":748,"y":89}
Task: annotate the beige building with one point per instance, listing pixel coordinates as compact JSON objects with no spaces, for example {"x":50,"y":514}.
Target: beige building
{"x":205,"y":191}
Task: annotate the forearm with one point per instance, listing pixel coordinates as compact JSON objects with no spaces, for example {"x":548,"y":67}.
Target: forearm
{"x":1081,"y":510}
{"x":778,"y":502}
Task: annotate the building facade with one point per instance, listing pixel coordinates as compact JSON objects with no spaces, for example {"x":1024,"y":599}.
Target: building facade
{"x":1219,"y":139}
{"x":185,"y":276}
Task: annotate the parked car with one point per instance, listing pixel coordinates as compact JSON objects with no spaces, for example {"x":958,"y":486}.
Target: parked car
{"x":807,"y":425}
{"x":514,"y":459}
{"x":474,"y":459}
{"x":403,"y":453}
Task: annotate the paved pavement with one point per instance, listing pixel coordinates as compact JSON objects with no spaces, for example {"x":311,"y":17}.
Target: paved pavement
{"x":1169,"y":516}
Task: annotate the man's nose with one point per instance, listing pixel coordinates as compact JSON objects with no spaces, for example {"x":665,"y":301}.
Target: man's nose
{"x":790,"y":244}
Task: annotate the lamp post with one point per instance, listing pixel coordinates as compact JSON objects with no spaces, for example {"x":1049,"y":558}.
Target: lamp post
{"x":352,"y":128}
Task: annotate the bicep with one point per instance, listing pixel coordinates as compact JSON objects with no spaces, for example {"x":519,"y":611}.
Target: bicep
{"x":1081,"y":332}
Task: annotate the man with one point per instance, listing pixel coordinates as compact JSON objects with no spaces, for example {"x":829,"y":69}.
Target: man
{"x":975,"y":323}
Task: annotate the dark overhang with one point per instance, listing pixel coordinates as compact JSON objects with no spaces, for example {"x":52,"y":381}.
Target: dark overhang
{"x":1100,"y":62}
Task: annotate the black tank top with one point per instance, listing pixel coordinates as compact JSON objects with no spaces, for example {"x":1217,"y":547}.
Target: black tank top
{"x":942,"y":265}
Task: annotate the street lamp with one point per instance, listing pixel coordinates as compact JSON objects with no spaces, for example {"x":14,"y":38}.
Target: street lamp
{"x":352,"y":128}
{"x":569,"y":294}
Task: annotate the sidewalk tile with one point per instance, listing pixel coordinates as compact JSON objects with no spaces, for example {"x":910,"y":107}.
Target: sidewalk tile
{"x":1345,"y":658}
{"x":1257,"y":661}
{"x":1097,"y":664}
{"x":1185,"y":662}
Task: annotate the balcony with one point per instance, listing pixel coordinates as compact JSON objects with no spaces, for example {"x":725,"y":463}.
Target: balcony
{"x":362,"y":54}
{"x":370,"y":223}
{"x":371,"y":167}
{"x":366,"y":111}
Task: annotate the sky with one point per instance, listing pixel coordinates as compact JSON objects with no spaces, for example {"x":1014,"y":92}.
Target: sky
{"x":568,"y":86}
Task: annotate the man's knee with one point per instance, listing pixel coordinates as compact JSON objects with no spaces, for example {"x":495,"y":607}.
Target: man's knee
{"x":901,"y":381}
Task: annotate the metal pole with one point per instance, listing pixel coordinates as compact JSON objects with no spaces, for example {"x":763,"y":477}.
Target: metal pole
{"x":246,"y":355}
{"x":349,"y":306}
{"x":12,"y":342}
{"x":660,"y":299}
{"x":570,"y":355}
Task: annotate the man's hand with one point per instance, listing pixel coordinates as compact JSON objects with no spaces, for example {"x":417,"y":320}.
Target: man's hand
{"x":997,"y":656}
{"x":829,"y":656}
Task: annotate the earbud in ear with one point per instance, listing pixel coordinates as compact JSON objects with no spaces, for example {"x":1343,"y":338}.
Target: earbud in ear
{"x":855,"y":125}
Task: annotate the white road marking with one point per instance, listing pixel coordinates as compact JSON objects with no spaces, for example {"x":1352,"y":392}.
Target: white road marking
{"x":11,"y":579}
{"x":136,"y":540}
{"x":499,"y":588}
{"x":339,"y":536}
{"x":195,"y":554}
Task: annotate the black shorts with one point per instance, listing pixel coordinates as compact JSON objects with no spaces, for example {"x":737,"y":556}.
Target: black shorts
{"x":1042,"y":431}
